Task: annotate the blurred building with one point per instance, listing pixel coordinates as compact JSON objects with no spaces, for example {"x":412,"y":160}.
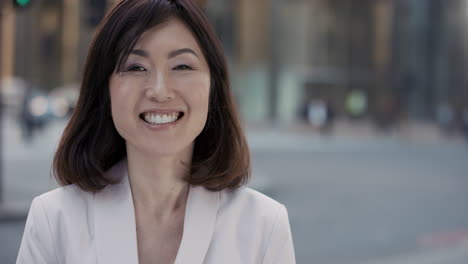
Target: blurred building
{"x":52,"y":37}
{"x":406,"y":56}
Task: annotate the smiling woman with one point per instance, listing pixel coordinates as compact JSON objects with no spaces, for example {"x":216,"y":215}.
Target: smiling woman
{"x":153,"y":159}
{"x":162,"y":80}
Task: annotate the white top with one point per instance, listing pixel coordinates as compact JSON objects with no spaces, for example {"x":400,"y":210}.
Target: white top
{"x":68,"y":225}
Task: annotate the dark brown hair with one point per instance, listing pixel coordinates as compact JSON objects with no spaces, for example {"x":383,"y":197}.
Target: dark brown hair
{"x":90,"y":144}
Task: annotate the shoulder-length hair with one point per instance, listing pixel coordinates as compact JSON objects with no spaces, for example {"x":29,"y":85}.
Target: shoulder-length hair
{"x":90,"y":144}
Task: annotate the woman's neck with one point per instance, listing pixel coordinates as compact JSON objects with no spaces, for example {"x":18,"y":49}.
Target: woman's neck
{"x":157,"y":181}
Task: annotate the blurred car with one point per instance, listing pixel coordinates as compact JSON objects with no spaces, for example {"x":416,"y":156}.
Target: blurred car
{"x":35,"y":111}
{"x":63,"y":100}
{"x":30,"y":106}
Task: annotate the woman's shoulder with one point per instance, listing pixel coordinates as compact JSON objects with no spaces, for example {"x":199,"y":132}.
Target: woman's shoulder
{"x":257,"y":223}
{"x":246,"y":194}
{"x":246,"y":200}
{"x":71,"y":191}
{"x":58,"y":225}
{"x":64,"y":198}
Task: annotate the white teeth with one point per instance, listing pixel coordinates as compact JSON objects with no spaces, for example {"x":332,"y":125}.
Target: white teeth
{"x":154,"y":118}
{"x":158,"y":119}
{"x":165,"y":119}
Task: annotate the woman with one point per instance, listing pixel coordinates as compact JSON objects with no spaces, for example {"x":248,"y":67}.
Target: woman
{"x":153,"y":160}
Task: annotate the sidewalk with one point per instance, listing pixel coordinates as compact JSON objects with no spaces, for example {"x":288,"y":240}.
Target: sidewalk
{"x":456,"y":254}
{"x":344,"y":136}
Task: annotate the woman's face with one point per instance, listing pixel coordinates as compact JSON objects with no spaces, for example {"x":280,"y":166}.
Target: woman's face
{"x":159,"y":99}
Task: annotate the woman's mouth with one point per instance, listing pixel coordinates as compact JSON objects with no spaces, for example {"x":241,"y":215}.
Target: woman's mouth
{"x":153,"y":118}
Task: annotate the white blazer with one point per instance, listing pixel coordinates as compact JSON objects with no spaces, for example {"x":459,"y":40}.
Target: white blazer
{"x":68,"y":225}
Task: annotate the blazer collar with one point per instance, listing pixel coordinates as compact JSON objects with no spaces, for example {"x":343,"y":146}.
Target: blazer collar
{"x":115,"y":228}
{"x":199,"y":223}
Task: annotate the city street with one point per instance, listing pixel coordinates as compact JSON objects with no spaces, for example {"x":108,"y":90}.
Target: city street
{"x":363,"y":206}
{"x":349,"y":201}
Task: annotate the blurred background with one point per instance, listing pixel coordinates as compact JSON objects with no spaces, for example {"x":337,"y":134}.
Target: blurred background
{"x":356,"y":112}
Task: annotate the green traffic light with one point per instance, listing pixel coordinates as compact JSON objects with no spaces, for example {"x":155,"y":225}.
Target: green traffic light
{"x":22,"y":2}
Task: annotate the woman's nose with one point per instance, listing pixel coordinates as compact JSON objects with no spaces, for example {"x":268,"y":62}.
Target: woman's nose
{"x":159,"y":89}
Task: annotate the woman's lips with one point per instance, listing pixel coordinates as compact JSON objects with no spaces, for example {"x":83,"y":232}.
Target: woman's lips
{"x":161,"y":119}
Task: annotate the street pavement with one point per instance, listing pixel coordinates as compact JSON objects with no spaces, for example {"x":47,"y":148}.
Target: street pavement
{"x":369,"y":199}
{"x":366,"y":206}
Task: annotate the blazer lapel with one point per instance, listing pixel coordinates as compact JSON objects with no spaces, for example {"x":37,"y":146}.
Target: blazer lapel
{"x":199,"y":224}
{"x":115,"y":228}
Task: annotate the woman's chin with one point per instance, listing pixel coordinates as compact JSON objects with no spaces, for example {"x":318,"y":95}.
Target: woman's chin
{"x":163,"y":150}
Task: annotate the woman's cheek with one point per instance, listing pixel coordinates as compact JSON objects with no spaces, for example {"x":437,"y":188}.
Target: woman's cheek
{"x":195,"y":84}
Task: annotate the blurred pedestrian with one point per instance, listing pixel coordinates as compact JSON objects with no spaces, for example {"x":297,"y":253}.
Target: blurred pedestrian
{"x":445,"y":117}
{"x":153,"y":159}
{"x":356,"y":103}
{"x":465,"y":122}
{"x":320,"y":114}
{"x":25,"y":117}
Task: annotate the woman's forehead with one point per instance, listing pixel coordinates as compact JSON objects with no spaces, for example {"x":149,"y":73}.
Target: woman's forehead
{"x":172,"y":34}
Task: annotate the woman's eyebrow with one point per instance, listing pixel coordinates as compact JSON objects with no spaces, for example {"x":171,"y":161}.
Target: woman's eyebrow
{"x":171,"y":54}
{"x":140,"y":52}
{"x":180,"y":51}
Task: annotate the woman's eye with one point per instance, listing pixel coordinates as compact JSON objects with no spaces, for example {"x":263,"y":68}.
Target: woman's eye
{"x":136,"y":68}
{"x":183,"y":67}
